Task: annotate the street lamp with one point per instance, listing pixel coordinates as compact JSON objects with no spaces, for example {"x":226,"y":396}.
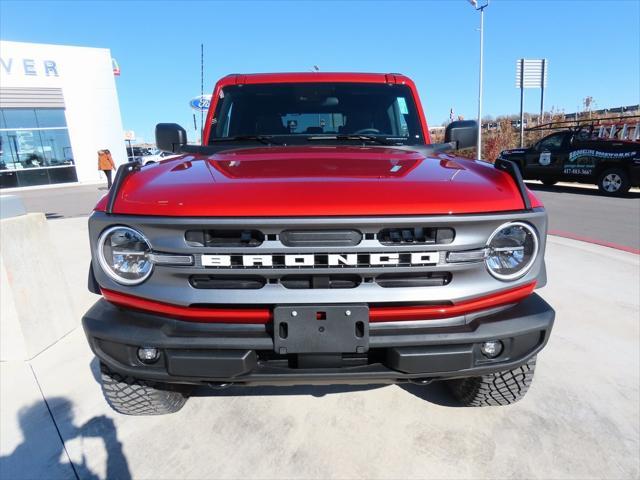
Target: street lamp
{"x":480,"y":8}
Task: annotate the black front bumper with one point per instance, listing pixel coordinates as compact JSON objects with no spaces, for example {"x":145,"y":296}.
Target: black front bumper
{"x":244,"y":353}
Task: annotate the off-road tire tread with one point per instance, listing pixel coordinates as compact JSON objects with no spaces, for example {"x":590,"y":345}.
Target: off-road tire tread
{"x":132,"y":396}
{"x":495,"y":389}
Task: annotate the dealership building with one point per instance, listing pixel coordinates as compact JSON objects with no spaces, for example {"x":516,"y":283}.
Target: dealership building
{"x":58,"y":107}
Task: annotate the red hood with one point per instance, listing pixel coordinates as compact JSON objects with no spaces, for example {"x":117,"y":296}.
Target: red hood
{"x":316,"y":181}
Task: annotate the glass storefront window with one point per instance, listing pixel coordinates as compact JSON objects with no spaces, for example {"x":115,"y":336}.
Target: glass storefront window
{"x":51,"y":117}
{"x":55,"y":147}
{"x":20,"y":118}
{"x":34,"y":143}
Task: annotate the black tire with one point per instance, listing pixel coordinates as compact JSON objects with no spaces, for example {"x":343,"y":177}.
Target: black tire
{"x":495,"y":389}
{"x":549,"y":183}
{"x":132,"y":396}
{"x":613,"y":181}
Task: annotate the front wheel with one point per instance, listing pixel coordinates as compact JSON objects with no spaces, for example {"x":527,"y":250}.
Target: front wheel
{"x":132,"y":396}
{"x":613,"y":181}
{"x":494,"y":389}
{"x":549,"y":183}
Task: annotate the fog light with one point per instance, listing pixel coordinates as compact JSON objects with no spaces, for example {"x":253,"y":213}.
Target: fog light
{"x":492,"y":348}
{"x":148,"y":354}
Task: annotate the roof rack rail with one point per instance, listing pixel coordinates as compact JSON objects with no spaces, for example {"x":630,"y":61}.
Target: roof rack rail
{"x":123,"y":172}
{"x":513,"y":170}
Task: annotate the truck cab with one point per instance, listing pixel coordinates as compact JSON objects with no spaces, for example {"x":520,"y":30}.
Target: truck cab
{"x":576,"y":156}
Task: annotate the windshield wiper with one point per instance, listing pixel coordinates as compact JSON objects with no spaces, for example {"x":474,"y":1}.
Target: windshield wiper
{"x":354,"y":136}
{"x":265,"y":139}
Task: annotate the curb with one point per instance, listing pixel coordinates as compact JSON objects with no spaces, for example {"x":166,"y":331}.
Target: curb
{"x":581,"y":238}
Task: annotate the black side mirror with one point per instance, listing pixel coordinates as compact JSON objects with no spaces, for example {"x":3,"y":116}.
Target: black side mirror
{"x":170,"y":137}
{"x":463,"y":132}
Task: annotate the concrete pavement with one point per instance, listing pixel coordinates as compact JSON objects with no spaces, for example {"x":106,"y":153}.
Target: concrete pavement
{"x":582,"y":212}
{"x":62,"y":202}
{"x":581,"y":418}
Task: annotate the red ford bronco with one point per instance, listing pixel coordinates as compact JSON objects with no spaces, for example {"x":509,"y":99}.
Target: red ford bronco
{"x":316,"y":236}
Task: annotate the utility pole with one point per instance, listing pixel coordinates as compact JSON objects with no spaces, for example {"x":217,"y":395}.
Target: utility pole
{"x":480,"y":8}
{"x":542,"y":85}
{"x":522,"y":103}
{"x":201,"y":92}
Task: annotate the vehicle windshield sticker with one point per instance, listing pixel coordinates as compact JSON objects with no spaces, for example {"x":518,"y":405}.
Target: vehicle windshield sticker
{"x":582,"y":162}
{"x":545,"y":158}
{"x":402,"y":103}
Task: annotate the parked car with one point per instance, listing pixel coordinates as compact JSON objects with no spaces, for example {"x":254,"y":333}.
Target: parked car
{"x":147,"y":155}
{"x":316,"y":236}
{"x":575,"y":156}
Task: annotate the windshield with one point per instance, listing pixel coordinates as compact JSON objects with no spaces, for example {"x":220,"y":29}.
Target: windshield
{"x":311,"y":110}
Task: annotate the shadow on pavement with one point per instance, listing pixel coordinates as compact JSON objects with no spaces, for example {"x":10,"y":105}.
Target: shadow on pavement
{"x":435,"y":393}
{"x":94,"y":365}
{"x":590,"y":192}
{"x":27,"y":456}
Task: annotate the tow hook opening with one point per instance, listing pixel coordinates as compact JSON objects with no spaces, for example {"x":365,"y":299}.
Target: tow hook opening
{"x":219,"y":385}
{"x":421,"y":381}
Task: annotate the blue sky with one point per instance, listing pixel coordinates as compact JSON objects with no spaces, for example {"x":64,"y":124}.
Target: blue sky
{"x":592,"y":46}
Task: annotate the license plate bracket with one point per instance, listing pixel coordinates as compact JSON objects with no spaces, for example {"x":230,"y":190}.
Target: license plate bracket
{"x":321,"y":329}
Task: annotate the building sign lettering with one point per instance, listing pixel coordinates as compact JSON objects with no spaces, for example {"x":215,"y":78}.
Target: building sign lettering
{"x":28,"y":66}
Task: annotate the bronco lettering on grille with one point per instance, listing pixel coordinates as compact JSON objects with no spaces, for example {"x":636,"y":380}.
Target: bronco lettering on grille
{"x":315,"y":260}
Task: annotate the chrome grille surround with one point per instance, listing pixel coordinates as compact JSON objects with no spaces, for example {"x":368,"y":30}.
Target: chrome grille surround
{"x":170,"y":283}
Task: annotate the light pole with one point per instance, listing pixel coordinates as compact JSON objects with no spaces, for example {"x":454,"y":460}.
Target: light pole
{"x":480,"y":8}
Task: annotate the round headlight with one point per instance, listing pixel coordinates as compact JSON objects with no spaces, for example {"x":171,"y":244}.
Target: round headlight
{"x":512,"y":249}
{"x":123,"y":254}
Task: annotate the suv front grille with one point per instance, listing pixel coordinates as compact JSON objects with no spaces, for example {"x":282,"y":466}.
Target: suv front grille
{"x":302,"y":260}
{"x":406,"y":280}
{"x":409,"y":235}
{"x":227,"y":282}
{"x":415,"y":235}
{"x":224,"y":238}
{"x":321,"y":238}
{"x":301,"y":282}
{"x":320,"y":281}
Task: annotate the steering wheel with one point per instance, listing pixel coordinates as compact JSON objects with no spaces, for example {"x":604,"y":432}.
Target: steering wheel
{"x":366,"y":131}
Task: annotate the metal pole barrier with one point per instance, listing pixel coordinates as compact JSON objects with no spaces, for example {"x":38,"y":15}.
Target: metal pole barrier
{"x":201,"y":92}
{"x":479,"y":145}
{"x":521,"y":102}
{"x":544,"y":65}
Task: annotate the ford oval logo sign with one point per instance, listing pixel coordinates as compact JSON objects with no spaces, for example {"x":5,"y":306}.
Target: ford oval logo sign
{"x":200,"y":103}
